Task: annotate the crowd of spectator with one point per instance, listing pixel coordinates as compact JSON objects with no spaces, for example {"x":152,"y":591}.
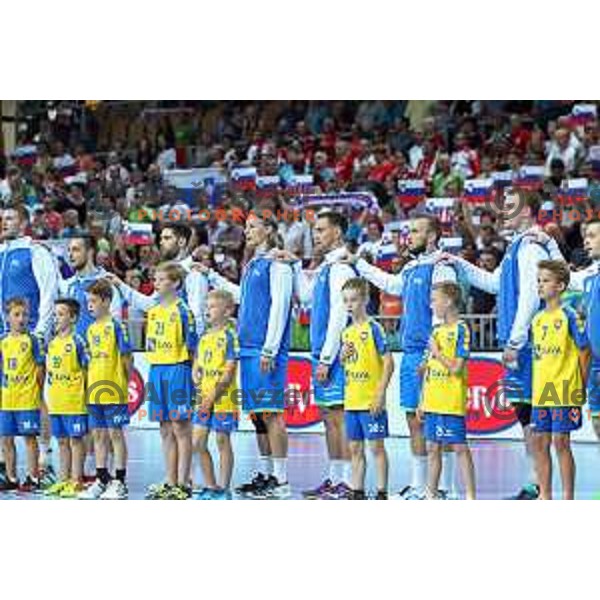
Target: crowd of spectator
{"x":93,"y":166}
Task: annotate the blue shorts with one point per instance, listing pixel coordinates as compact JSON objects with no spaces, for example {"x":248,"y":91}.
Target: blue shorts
{"x":555,"y":420}
{"x":19,"y":422}
{"x":108,"y":416}
{"x":517,"y":382}
{"x":224,"y":422}
{"x":593,"y":387}
{"x":410,"y":381}
{"x":330,"y":393}
{"x":71,"y":426}
{"x":170,"y":392}
{"x":360,"y":425}
{"x":263,"y":392}
{"x":445,"y":429}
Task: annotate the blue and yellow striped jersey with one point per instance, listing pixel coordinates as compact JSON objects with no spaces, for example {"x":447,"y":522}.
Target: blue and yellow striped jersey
{"x":215,"y":350}
{"x":558,"y":336}
{"x":363,"y":369}
{"x":22,"y":356}
{"x":170,"y":334}
{"x":66,"y":361}
{"x":445,"y":392}
{"x":108,"y":343}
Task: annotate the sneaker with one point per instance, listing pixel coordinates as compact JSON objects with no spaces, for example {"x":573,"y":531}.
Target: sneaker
{"x":72,"y":489}
{"x":116,"y":490}
{"x":204,"y":493}
{"x":93,"y":492}
{"x":342,"y":491}
{"x":381,"y":495}
{"x":409,"y":493}
{"x":158,"y":491}
{"x":258,"y":482}
{"x":357,"y":495}
{"x":2,"y":473}
{"x":221,"y":494}
{"x":272,"y":490}
{"x":8,"y":485}
{"x":47,"y":477}
{"x":56,"y":488}
{"x":180,"y":492}
{"x":30,"y":485}
{"x":89,"y":478}
{"x":447,"y":495}
{"x":529,"y":492}
{"x":319,"y":492}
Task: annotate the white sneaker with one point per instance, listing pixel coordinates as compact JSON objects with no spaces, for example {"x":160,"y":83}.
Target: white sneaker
{"x":116,"y":490}
{"x":409,"y":493}
{"x":93,"y":492}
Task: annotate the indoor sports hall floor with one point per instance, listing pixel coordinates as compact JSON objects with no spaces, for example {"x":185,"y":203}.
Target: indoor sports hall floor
{"x":500,"y":465}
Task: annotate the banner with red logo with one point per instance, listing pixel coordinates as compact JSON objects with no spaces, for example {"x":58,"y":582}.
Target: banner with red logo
{"x":489,"y":414}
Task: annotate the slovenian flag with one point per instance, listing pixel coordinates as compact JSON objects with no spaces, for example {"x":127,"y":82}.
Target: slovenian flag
{"x":138,"y":234}
{"x":583,"y":113}
{"x":478,"y":191}
{"x":243,"y":178}
{"x":573,"y":190}
{"x":503,"y":179}
{"x":401,"y":227}
{"x":25,"y":156}
{"x":267,"y":185}
{"x":442,"y":208}
{"x":530,"y":177}
{"x":188,"y":182}
{"x":300,"y":184}
{"x":411,"y":192}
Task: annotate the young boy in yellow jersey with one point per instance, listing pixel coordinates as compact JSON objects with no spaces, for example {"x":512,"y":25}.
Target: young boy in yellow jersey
{"x":443,"y":403}
{"x":107,"y":393}
{"x":368,"y":368}
{"x":558,"y":336}
{"x":66,"y":363}
{"x":171,"y":341}
{"x":22,"y":364}
{"x":214,"y":374}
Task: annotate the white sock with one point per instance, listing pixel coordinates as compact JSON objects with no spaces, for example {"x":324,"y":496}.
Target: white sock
{"x":448,"y":472}
{"x":347,"y":472}
{"x":419,"y":472}
{"x":336,"y":471}
{"x":265,"y":465}
{"x":280,"y":469}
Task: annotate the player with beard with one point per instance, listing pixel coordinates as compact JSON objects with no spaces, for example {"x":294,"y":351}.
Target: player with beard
{"x":81,"y":254}
{"x":174,"y":240}
{"x":265,"y":299}
{"x":28,"y":271}
{"x":515,"y":284}
{"x":414,"y":284}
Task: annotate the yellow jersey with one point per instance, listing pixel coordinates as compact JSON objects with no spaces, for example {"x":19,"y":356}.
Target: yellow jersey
{"x":66,"y":361}
{"x":170,"y":333}
{"x":22,"y":355}
{"x":215,"y":350}
{"x":363,"y":369}
{"x":108,"y":343}
{"x":557,"y":336}
{"x":445,"y":393}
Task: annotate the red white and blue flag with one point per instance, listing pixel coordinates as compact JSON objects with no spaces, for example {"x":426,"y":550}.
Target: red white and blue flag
{"x":573,"y":190}
{"x":530,"y":177}
{"x":411,"y":192}
{"x":243,"y":178}
{"x":477,"y":191}
{"x":583,"y":113}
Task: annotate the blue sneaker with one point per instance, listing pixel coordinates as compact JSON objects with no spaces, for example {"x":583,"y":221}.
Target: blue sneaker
{"x":204,"y":494}
{"x":221,"y":495}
